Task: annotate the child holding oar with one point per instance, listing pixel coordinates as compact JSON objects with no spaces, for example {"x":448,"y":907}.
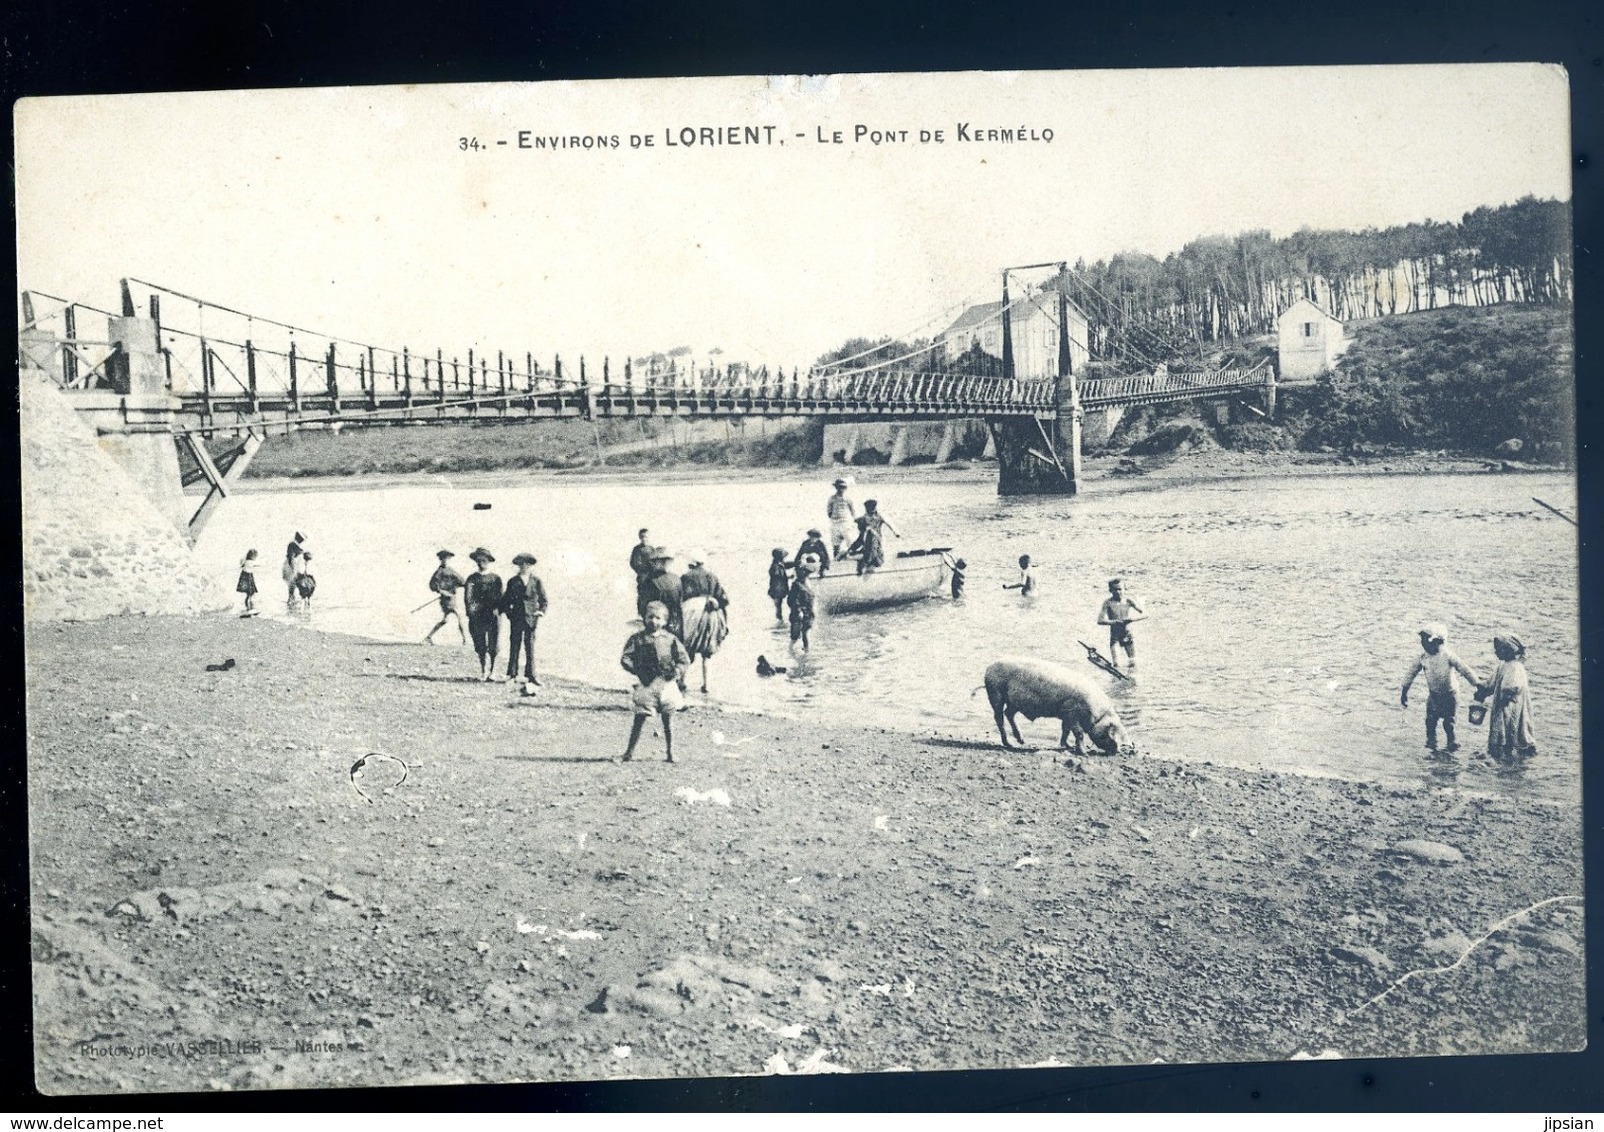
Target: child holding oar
{"x":445,"y":582}
{"x":1119,"y":612}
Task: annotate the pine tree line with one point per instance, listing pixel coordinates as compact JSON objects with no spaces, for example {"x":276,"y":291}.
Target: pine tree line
{"x":1219,"y":287}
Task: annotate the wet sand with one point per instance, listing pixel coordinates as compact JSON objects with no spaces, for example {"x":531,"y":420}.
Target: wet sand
{"x":216,"y":906}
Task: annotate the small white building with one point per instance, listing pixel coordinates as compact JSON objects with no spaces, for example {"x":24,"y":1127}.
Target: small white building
{"x":1310,"y":341}
{"x":1033,"y":327}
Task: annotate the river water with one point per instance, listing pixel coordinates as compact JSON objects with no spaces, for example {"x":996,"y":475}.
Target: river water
{"x":1283,"y":609}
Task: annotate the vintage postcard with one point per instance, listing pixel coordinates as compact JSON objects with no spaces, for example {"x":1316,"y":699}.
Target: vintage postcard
{"x":793,"y":575}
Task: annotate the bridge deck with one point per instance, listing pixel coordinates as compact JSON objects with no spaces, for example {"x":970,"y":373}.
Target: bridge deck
{"x":914,"y":397}
{"x":902,"y":401}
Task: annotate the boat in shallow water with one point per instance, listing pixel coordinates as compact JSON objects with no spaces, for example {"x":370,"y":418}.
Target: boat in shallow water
{"x":911,"y":576}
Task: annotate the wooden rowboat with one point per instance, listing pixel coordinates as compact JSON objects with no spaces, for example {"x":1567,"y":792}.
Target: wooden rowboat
{"x":911,"y":576}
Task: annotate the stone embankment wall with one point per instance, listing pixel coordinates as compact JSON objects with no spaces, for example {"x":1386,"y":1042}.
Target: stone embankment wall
{"x":93,"y":544}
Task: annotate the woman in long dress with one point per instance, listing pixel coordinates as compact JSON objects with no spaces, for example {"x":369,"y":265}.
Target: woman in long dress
{"x":702,"y":611}
{"x":1509,"y":720}
{"x":293,"y":555}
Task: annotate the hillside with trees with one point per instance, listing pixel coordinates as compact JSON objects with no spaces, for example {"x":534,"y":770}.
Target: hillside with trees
{"x":1143,"y":309}
{"x":1464,"y":379}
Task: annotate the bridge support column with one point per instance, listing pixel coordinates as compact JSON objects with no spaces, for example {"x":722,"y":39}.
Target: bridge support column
{"x":1040,"y":457}
{"x":134,"y":420}
{"x":39,"y":354}
{"x":899,"y":445}
{"x":1269,"y":392}
{"x":949,"y":432}
{"x":1099,"y":424}
{"x":1031,"y":459}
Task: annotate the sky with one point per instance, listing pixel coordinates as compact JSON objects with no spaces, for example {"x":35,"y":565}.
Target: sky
{"x":358,"y":212}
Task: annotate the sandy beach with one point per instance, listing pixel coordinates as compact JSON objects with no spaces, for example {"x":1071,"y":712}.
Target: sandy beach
{"x":215,"y":904}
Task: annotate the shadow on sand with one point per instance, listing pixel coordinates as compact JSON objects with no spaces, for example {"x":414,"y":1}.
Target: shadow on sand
{"x":968,"y":745}
{"x":556,"y":758}
{"x":426,"y":677}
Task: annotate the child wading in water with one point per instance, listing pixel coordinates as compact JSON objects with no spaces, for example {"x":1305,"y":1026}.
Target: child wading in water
{"x":800,"y":599}
{"x":247,"y":582}
{"x":779,"y":583}
{"x":1119,"y":613}
{"x":1442,"y":700}
{"x":1027,"y":578}
{"x":305,"y":584}
{"x":1509,"y":723}
{"x":658,"y":661}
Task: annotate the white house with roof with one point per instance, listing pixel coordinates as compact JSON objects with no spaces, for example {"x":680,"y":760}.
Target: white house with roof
{"x":1310,"y":341}
{"x":1034,"y":329}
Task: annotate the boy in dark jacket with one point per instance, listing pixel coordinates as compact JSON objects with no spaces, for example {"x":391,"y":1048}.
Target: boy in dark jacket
{"x":482,"y":596}
{"x":524,"y":603}
{"x":800,"y":599}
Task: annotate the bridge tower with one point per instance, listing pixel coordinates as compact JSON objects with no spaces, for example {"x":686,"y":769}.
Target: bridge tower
{"x":134,"y":414}
{"x":1037,"y":456}
{"x":133,"y":419}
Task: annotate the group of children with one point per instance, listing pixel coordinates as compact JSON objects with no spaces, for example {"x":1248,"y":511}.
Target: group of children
{"x":658,"y":659}
{"x":485,"y":600}
{"x":1119,"y":610}
{"x":297,"y":573}
{"x":1508,"y":716}
{"x":791,"y":581}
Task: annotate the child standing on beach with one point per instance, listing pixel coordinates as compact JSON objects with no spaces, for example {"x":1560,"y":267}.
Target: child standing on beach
{"x":658,"y":661}
{"x":482,"y":595}
{"x":1442,"y":700}
{"x":247,"y":582}
{"x":779,"y":583}
{"x":524,"y":603}
{"x":958,"y":569}
{"x":445,"y":582}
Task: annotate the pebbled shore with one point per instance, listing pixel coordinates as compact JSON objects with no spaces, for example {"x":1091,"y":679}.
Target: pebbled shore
{"x":209,"y":889}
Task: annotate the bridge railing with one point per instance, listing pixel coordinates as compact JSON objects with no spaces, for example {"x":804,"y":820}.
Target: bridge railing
{"x":1134,"y":388}
{"x":908,"y":391}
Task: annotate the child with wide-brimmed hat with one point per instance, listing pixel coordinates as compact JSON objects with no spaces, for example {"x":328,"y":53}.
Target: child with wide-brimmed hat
{"x":525,"y":604}
{"x":445,"y":582}
{"x":482,"y":597}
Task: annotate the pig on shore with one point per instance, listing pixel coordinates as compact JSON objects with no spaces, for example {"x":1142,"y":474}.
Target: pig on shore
{"x":1037,"y":689}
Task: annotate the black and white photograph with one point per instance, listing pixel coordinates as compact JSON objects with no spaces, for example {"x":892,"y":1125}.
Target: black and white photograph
{"x":792,"y":575}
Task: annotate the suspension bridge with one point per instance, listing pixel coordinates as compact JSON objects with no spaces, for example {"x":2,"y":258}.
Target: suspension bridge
{"x":152,"y":389}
